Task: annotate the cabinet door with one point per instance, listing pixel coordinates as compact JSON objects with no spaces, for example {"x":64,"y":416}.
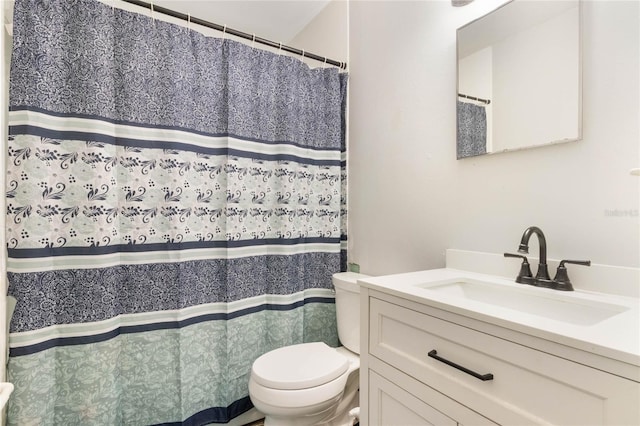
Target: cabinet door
{"x":396,"y":399}
{"x":390,"y":405}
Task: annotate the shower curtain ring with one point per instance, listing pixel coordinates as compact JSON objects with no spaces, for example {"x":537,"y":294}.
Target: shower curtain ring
{"x":152,"y":17}
{"x":224,"y":31}
{"x":188,"y":21}
{"x":280,"y":49}
{"x":253,"y":40}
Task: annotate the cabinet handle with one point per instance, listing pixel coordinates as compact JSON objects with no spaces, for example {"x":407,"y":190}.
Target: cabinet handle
{"x":484,"y":377}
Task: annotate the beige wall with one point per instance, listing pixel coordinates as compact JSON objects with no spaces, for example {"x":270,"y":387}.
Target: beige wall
{"x":410,"y":199}
{"x":327,"y":35}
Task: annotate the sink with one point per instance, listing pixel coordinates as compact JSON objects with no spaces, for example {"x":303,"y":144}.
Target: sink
{"x":541,"y":302}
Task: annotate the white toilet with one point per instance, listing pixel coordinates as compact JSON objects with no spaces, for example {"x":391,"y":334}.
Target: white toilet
{"x":313,"y":383}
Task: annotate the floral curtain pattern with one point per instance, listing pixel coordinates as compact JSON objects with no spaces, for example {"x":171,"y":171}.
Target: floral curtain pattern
{"x":175,"y":208}
{"x":472,"y":130}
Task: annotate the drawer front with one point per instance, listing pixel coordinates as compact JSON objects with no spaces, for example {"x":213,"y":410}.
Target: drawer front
{"x":527,"y":387}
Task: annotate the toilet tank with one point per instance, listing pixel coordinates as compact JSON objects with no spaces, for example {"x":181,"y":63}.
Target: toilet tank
{"x":348,"y":308}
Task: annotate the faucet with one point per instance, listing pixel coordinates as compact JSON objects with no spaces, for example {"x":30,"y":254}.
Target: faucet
{"x":542,"y":279}
{"x":543,"y":270}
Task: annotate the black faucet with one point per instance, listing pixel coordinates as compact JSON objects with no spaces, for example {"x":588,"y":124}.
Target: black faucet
{"x":543,"y":270}
{"x":542,"y":279}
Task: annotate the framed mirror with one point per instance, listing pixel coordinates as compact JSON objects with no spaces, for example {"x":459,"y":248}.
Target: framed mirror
{"x":519,"y":78}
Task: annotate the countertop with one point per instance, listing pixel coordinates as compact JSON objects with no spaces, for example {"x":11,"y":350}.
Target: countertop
{"x":616,"y":337}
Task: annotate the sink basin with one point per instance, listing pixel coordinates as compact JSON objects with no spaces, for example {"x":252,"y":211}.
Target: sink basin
{"x":549,"y":304}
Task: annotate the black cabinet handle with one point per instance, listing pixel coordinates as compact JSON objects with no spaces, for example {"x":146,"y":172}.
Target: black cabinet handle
{"x":484,"y":377}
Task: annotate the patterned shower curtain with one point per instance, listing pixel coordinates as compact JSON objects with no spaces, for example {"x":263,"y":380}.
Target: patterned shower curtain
{"x":472,"y":130}
{"x":175,"y":208}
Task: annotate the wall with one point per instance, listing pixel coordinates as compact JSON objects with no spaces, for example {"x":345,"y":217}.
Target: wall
{"x":410,"y":199}
{"x":327,"y":34}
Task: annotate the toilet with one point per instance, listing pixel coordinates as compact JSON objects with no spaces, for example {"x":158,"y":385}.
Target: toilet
{"x":313,"y":383}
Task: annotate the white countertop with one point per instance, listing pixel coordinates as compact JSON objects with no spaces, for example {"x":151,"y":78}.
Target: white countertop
{"x":616,"y":337}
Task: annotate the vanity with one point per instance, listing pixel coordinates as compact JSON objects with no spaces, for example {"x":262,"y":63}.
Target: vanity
{"x":456,"y":346}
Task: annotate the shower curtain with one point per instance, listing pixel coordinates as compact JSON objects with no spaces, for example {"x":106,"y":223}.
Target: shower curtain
{"x":175,"y":208}
{"x":472,"y":130}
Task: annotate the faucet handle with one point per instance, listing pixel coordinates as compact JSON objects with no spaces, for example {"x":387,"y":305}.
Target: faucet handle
{"x":524,"y":276}
{"x":561,"y":280}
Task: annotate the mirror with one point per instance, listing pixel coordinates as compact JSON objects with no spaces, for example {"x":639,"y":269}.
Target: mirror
{"x":519,"y":78}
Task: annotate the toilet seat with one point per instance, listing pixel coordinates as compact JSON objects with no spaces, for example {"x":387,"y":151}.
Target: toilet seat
{"x":302,"y":366}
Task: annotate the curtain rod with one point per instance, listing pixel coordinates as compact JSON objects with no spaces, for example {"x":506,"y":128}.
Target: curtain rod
{"x":252,"y":37}
{"x":473,"y":98}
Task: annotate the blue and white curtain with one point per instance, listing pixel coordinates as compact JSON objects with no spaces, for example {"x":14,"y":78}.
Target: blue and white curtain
{"x":472,"y":130}
{"x":175,"y":208}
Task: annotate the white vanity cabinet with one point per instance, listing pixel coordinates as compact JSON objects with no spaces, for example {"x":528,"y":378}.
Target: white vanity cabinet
{"x":402,"y":384}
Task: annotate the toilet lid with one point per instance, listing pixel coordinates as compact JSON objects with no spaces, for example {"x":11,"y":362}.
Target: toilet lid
{"x":299,"y":366}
